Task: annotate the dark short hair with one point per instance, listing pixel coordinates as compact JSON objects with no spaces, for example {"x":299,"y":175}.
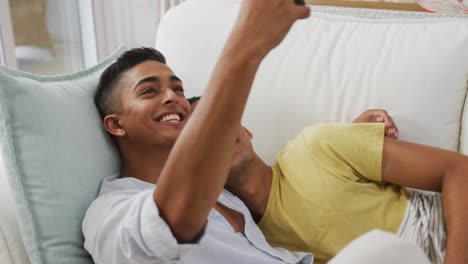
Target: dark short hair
{"x":106,"y":97}
{"x":193,"y":99}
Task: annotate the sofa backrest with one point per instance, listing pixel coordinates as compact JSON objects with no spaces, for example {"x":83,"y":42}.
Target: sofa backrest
{"x":332,"y":67}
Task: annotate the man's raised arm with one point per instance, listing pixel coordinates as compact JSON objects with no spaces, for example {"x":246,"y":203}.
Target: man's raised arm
{"x":198,"y":165}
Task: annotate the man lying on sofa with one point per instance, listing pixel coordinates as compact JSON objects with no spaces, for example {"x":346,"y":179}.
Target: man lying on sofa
{"x":144,"y":109}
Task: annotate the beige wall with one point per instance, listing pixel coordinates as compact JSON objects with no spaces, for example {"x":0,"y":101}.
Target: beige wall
{"x":409,"y":5}
{"x":29,"y":23}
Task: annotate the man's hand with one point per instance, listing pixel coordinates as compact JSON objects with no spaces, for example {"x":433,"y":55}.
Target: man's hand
{"x":264,"y":24}
{"x":379,"y":116}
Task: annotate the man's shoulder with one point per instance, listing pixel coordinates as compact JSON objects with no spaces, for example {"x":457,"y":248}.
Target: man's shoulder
{"x":117,"y":192}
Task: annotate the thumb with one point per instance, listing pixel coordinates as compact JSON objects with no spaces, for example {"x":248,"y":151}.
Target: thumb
{"x":301,"y":11}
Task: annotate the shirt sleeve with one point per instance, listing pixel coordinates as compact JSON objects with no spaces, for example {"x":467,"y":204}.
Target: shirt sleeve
{"x":355,"y":150}
{"x":125,"y":227}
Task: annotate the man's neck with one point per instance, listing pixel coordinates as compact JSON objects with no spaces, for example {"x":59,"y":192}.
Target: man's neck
{"x":144,"y":165}
{"x":252,"y":185}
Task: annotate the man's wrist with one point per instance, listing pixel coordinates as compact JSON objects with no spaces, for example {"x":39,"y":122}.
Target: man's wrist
{"x":245,"y":47}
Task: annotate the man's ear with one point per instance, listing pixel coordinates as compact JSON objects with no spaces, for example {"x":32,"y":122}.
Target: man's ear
{"x":248,"y":132}
{"x":114,"y":126}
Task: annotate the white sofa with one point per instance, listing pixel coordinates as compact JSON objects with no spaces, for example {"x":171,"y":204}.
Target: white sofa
{"x":327,"y":69}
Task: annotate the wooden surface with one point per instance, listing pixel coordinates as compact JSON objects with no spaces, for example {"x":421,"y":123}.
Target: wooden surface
{"x":368,"y":4}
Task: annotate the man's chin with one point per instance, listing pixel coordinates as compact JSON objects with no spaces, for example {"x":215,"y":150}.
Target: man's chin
{"x":172,"y":136}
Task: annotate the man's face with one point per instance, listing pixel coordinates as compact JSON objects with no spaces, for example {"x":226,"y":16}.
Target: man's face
{"x":154,"y":107}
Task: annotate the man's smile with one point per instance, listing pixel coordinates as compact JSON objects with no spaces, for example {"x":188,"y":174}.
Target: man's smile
{"x":172,"y":119}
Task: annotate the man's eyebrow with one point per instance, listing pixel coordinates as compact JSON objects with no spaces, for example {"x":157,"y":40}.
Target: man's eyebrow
{"x":174,"y":78}
{"x":145,"y":80}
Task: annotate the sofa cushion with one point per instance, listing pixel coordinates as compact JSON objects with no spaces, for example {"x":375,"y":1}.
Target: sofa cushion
{"x":55,"y":153}
{"x":332,"y":67}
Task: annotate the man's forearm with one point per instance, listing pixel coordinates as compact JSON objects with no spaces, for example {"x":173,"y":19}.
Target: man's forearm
{"x":207,"y":143}
{"x":455,"y":203}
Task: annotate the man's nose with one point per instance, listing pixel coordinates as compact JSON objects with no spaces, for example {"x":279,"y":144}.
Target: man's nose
{"x":170,"y":97}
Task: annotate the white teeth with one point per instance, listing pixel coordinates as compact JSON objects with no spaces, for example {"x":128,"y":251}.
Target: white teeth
{"x":170,"y":117}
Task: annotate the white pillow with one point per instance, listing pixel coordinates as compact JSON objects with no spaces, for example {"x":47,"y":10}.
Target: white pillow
{"x":332,"y":67}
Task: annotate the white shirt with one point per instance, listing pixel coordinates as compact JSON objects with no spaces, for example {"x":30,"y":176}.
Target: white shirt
{"x":123,"y":226}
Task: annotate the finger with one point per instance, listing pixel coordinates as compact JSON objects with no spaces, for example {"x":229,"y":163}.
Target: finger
{"x":301,"y":11}
{"x":396,"y":130}
{"x":393,"y":129}
{"x":386,"y":117}
{"x":390,"y":126}
{"x":387,"y":132}
{"x":383,"y":118}
{"x":393,"y":124}
{"x":393,"y":133}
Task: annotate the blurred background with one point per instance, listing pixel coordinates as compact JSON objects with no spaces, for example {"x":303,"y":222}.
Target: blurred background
{"x":52,"y":37}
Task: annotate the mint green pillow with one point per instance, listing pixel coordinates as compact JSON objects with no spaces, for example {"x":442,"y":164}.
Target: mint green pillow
{"x":56,"y":152}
